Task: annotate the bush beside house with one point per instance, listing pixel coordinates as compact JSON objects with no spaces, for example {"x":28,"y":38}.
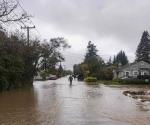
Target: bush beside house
{"x":91,"y":80}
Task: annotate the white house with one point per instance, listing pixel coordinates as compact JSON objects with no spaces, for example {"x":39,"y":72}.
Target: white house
{"x":132,"y":70}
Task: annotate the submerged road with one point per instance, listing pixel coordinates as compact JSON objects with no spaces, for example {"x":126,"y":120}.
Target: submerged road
{"x":57,"y":103}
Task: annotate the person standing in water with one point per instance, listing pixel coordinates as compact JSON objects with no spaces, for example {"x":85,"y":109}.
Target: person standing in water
{"x":70,"y":79}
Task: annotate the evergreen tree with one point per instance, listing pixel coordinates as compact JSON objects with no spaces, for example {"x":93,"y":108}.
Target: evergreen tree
{"x":114,"y":60}
{"x":143,"y":49}
{"x":60,"y":70}
{"x":93,"y":61}
{"x":91,"y":52}
{"x":121,"y":58}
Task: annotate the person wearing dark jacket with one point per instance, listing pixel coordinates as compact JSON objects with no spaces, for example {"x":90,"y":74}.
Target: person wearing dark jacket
{"x":70,"y":79}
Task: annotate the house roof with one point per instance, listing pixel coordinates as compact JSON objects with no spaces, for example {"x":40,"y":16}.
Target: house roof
{"x":140,"y":64}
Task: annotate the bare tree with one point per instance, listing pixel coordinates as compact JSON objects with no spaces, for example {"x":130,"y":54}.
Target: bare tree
{"x":9,"y":11}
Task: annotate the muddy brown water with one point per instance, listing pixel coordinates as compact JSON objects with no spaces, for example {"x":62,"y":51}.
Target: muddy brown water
{"x":57,"y":103}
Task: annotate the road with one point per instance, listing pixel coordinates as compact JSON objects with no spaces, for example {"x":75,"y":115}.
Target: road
{"x":58,"y":103}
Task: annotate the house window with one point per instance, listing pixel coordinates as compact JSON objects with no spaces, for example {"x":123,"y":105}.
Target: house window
{"x":127,"y":74}
{"x":145,"y":73}
{"x":135,"y":73}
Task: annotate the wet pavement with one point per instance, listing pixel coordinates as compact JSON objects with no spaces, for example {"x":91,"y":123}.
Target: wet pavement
{"x":57,"y":103}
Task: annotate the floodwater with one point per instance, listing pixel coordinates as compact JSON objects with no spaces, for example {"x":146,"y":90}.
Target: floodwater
{"x":57,"y":103}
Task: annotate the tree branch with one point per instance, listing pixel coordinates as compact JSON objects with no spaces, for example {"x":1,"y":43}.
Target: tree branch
{"x":7,"y":12}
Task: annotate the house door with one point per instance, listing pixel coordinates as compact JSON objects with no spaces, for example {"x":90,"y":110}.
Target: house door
{"x":127,"y":74}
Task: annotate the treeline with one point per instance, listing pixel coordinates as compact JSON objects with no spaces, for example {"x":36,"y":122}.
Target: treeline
{"x":94,"y":66}
{"x":19,"y":61}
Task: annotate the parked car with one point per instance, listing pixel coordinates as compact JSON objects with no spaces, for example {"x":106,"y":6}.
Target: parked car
{"x":52,"y":77}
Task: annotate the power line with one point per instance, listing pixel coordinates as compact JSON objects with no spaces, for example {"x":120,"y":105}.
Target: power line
{"x":21,"y":6}
{"x":25,"y":25}
{"x":31,"y":22}
{"x":20,"y":20}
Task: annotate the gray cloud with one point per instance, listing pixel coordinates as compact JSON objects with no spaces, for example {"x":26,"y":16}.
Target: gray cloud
{"x":111,"y":24}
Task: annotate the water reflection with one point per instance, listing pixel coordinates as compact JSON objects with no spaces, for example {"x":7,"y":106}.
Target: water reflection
{"x":18,"y":107}
{"x":57,"y":103}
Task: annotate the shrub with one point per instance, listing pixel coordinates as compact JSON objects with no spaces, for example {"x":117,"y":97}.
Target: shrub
{"x":117,"y":80}
{"x":133,"y":81}
{"x":43,"y":74}
{"x":91,"y":79}
{"x":143,"y":77}
{"x":4,"y":85}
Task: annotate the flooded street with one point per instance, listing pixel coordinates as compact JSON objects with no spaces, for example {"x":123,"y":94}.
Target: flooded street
{"x":57,"y":103}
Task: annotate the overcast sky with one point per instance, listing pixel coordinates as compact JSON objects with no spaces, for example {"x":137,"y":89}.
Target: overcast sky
{"x":113,"y":25}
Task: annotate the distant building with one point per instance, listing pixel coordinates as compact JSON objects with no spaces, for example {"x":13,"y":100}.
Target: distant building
{"x":132,"y":70}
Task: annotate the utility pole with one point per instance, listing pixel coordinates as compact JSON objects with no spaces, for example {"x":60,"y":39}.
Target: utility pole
{"x":28,"y":32}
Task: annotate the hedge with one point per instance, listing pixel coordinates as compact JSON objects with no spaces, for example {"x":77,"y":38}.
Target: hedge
{"x":91,"y":80}
{"x":133,"y":81}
